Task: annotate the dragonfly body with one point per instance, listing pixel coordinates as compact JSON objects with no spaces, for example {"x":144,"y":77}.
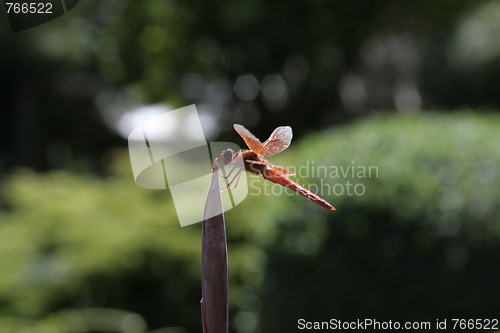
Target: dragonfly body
{"x":248,"y":156}
{"x":255,"y":161}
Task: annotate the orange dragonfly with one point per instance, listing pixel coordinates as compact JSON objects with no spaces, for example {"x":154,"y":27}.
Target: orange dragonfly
{"x":255,"y":161}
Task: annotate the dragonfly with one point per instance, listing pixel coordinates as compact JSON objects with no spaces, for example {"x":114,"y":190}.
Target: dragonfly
{"x":255,"y":161}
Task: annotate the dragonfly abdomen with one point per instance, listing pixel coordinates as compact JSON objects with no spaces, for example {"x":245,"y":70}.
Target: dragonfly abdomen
{"x":285,"y":181}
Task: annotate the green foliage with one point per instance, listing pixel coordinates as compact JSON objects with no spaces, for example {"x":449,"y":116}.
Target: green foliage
{"x":421,"y":243}
{"x":78,"y":241}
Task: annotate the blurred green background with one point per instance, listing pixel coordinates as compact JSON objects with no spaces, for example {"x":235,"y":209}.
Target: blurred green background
{"x":410,"y":88}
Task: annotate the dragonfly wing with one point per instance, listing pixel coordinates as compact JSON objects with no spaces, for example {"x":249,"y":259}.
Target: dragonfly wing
{"x":251,"y":140}
{"x":279,"y":140}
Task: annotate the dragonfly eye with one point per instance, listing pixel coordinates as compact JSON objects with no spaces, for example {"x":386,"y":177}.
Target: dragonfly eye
{"x":227,"y":156}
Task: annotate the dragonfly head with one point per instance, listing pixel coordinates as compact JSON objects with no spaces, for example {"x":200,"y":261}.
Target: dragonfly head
{"x":227,"y":156}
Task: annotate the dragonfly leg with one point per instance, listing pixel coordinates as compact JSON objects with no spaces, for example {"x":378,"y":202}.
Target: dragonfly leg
{"x":223,"y":175}
{"x":226,"y":176}
{"x":230,"y":183}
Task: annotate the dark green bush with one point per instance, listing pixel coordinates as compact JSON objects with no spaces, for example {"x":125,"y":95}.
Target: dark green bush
{"x":421,"y":243}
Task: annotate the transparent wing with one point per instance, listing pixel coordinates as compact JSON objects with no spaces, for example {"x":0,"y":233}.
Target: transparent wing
{"x":278,"y":141}
{"x":251,"y":140}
